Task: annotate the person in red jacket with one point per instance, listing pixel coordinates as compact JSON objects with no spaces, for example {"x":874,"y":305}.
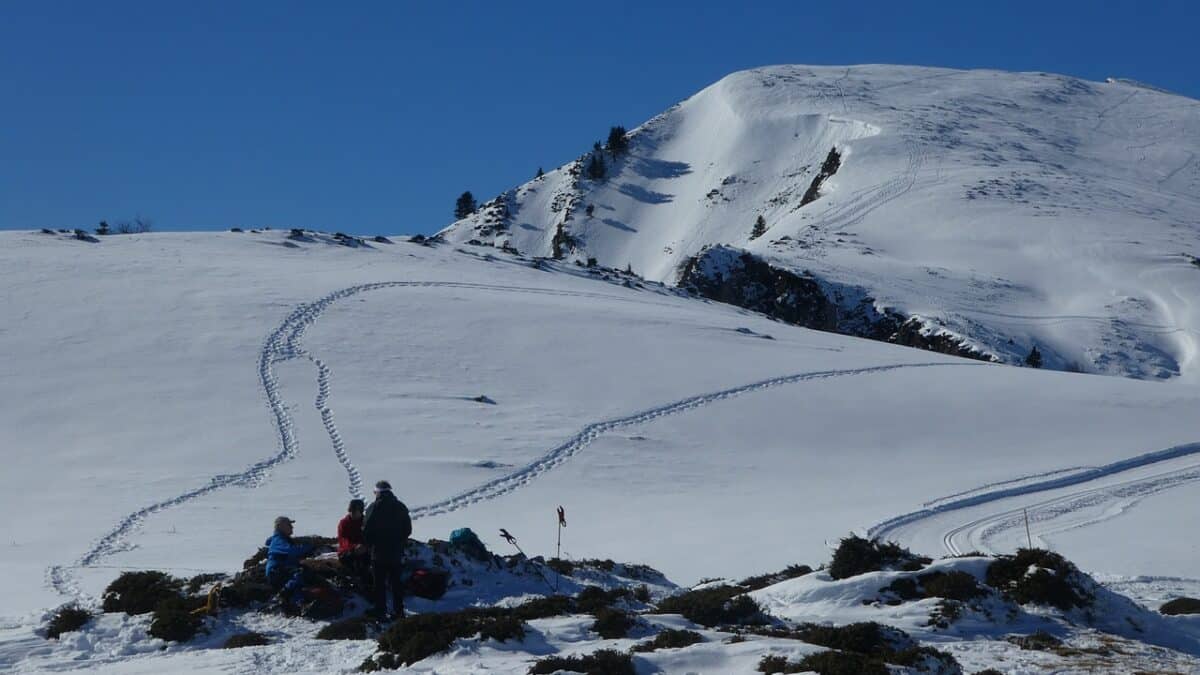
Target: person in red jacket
{"x":352,"y":550}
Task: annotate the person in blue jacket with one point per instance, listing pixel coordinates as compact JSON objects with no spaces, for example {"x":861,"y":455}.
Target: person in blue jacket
{"x":284,"y":572}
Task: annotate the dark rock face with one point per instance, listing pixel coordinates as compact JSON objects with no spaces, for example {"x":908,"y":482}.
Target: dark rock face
{"x":833,"y":162}
{"x":909,"y":334}
{"x":739,"y":278}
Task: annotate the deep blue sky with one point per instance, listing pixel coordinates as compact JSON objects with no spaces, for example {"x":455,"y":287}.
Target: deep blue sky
{"x":373,"y":116}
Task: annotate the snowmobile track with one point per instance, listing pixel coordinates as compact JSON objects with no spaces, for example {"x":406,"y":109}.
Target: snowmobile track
{"x":284,"y":344}
{"x":993,"y":523}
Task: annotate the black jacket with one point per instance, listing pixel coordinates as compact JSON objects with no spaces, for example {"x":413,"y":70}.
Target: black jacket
{"x":386,"y":528}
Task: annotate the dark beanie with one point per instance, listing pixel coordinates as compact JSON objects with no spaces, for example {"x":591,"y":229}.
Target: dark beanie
{"x":383,"y":485}
{"x":356,"y":505}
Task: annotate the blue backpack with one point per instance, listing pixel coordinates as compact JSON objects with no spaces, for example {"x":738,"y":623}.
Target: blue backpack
{"x":468,"y":542}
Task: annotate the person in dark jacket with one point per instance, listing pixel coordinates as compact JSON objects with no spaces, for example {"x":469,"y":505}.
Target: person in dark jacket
{"x":386,"y":528}
{"x":351,"y":549}
{"x":284,"y":572}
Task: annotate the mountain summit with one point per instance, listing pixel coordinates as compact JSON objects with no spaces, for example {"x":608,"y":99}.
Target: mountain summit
{"x":999,"y":213}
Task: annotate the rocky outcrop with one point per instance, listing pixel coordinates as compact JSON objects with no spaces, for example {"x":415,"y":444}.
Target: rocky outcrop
{"x":740,"y":278}
{"x":833,"y":161}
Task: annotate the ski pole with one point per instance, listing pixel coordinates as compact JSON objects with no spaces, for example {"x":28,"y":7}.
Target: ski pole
{"x":562,"y":522}
{"x":513,"y":540}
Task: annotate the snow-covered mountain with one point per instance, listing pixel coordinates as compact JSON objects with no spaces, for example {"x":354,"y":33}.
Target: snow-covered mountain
{"x":164,"y":396}
{"x":990,"y":210}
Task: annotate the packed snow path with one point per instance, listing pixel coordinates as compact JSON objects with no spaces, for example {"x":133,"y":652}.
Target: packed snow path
{"x":284,"y":344}
{"x":1059,"y":507}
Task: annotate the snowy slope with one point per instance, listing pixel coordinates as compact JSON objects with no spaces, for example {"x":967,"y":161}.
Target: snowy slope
{"x":1006,"y":209}
{"x":164,"y":396}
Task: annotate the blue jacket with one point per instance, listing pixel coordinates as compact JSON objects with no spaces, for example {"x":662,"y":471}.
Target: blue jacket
{"x":283,"y":554}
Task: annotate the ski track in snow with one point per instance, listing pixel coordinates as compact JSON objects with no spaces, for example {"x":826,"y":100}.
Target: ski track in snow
{"x":1123,"y":494}
{"x":862,"y":203}
{"x":283,"y":344}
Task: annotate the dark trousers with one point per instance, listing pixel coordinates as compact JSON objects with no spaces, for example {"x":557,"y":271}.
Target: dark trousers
{"x":388,"y":574}
{"x":357,"y":566}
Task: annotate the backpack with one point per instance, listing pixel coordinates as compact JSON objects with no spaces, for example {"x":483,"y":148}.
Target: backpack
{"x":468,"y":542}
{"x":428,"y":583}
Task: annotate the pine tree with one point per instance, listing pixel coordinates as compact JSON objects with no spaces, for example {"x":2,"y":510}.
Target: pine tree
{"x":760,"y":228}
{"x":1034,"y":360}
{"x":102,"y":229}
{"x":618,"y":142}
{"x":465,"y":205}
{"x":595,"y":168}
{"x":540,"y":173}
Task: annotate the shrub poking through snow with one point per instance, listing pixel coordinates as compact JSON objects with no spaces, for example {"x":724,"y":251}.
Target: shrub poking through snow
{"x":250,"y":639}
{"x":952,"y":585}
{"x":416,"y":637}
{"x":1035,"y":576}
{"x":714,"y":606}
{"x":603,"y":662}
{"x":670,"y":639}
{"x":346,"y":629}
{"x":140,"y":592}
{"x":866,"y":646}
{"x":198,"y":582}
{"x":855,"y":555}
{"x":826,"y":663}
{"x":503,"y":629}
{"x":763,"y":580}
{"x":173,"y":620}
{"x":593,"y":598}
{"x":419,"y":636}
{"x":1039,"y":641}
{"x":865,"y":638}
{"x":67,"y":619}
{"x":1180,"y":606}
{"x":611,"y":623}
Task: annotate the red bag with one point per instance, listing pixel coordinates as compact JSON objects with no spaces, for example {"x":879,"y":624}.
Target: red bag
{"x":427,"y":583}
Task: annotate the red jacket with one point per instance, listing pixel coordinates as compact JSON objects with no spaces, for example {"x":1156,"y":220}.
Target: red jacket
{"x":349,"y":534}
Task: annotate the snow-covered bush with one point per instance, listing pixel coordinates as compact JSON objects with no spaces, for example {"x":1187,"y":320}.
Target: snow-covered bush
{"x":140,"y":592}
{"x":248,"y":639}
{"x":603,"y":662}
{"x":67,"y":619}
{"x":173,"y":619}
{"x":669,"y":639}
{"x":855,"y":555}
{"x":757,"y":582}
{"x":1180,"y":606}
{"x":713,"y":606}
{"x":865,"y":647}
{"x":1039,"y":577}
{"x":612,"y":623}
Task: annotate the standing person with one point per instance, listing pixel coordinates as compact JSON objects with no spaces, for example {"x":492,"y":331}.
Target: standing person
{"x":386,"y":528}
{"x":351,"y":549}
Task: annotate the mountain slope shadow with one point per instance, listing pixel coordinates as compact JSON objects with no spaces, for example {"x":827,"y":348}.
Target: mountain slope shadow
{"x":643,"y":195}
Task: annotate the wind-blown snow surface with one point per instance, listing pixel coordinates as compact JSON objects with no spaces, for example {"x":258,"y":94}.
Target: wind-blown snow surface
{"x":1010,"y":209}
{"x":164,"y":396}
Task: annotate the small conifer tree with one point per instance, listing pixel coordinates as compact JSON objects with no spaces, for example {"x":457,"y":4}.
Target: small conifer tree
{"x":540,"y":173}
{"x":760,"y":228}
{"x":618,"y":141}
{"x":596,"y":169}
{"x":1034,"y":360}
{"x":465,"y":205}
{"x":102,"y":229}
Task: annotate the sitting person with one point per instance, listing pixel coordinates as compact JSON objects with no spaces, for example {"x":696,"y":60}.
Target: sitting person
{"x":284,"y":572}
{"x":351,"y":549}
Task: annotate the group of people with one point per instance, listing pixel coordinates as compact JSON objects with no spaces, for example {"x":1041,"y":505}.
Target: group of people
{"x":370,"y":544}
